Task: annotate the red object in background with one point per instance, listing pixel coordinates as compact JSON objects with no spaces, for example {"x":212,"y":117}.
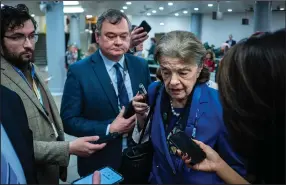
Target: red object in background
{"x":209,"y":64}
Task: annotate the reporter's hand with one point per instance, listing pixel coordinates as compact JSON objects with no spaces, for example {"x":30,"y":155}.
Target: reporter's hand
{"x":96,"y":177}
{"x":83,"y":148}
{"x":212,"y":162}
{"x":137,"y":37}
{"x":122,"y":125}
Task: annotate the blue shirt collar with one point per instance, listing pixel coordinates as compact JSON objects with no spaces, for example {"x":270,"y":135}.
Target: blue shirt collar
{"x":109,"y":63}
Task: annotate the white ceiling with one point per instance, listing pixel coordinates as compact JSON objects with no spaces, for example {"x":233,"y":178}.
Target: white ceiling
{"x":96,"y":7}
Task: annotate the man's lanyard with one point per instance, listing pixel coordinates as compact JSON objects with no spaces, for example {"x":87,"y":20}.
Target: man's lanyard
{"x":34,"y":85}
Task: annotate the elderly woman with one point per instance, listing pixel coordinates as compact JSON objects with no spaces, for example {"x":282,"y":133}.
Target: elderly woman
{"x":183,"y":102}
{"x":253,"y":112}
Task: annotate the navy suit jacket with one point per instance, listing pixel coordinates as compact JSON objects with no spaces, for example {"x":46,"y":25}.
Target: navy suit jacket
{"x":90,"y":103}
{"x":14,"y":120}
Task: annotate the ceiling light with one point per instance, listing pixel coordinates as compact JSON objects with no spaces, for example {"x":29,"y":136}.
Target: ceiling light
{"x":170,"y":4}
{"x":148,"y":14}
{"x":124,"y":7}
{"x":282,"y":9}
{"x":161,"y":8}
{"x":2,"y":5}
{"x":88,"y":16}
{"x":128,"y":3}
{"x":176,"y":14}
{"x":122,"y":11}
{"x":33,"y":15}
{"x":71,"y":3}
{"x":154,"y":11}
{"x":185,"y":12}
{"x":196,"y":9}
{"x":162,"y":24}
{"x":210,"y":5}
{"x":73,"y":10}
{"x":229,"y":10}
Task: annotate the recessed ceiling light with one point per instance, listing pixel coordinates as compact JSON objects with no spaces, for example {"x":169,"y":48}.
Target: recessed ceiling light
{"x":148,"y":14}
{"x":68,"y":9}
{"x":154,"y":11}
{"x":161,"y":8}
{"x":282,"y":9}
{"x":124,"y":7}
{"x":71,"y":3}
{"x":176,"y":14}
{"x":122,"y":11}
{"x":210,"y":5}
{"x":196,"y":9}
{"x":2,"y":5}
{"x":33,"y":15}
{"x":185,"y":12}
{"x":88,"y":16}
{"x":170,"y":4}
{"x":128,"y":3}
{"x":162,"y":24}
{"x":229,"y":10}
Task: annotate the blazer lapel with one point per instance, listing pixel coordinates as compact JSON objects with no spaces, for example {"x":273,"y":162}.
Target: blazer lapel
{"x":133,"y":73}
{"x":51,"y":101}
{"x":20,"y":82}
{"x":104,"y":79}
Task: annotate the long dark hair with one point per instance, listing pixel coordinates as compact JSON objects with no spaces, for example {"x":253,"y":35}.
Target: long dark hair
{"x":251,"y":83}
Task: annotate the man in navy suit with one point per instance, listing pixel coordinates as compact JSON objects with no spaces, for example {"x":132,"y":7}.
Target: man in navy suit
{"x":97,"y":88}
{"x":230,"y":41}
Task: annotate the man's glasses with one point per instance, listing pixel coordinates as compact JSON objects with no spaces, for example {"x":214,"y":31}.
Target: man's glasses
{"x":21,"y":39}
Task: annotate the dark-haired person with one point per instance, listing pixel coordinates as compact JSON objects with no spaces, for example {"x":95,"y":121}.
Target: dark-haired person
{"x":151,"y":50}
{"x":251,"y":82}
{"x":97,"y":88}
{"x":19,"y":74}
{"x":184,"y":103}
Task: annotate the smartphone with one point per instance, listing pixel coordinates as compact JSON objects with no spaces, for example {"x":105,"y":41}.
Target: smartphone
{"x":106,"y":139}
{"x":185,"y":143}
{"x":143,"y":92}
{"x":107,"y":176}
{"x":145,"y":26}
{"x":129,"y":110}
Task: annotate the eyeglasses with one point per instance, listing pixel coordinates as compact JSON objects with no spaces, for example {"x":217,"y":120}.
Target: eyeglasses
{"x":21,"y":39}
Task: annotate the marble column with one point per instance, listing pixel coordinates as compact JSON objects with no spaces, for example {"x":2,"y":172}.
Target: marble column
{"x":55,"y":38}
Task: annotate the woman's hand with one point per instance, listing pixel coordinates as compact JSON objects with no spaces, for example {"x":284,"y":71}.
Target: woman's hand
{"x":211,"y":163}
{"x":139,"y":105}
{"x":141,"y":109}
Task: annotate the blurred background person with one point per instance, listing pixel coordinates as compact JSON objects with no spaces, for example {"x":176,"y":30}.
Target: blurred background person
{"x":138,"y":50}
{"x":254,"y":112}
{"x":151,"y":50}
{"x":230,"y":41}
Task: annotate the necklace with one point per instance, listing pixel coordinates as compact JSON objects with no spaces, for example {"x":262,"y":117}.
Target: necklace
{"x":173,"y":111}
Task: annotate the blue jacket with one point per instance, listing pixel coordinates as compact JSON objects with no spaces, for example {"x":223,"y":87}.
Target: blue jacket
{"x":90,"y":103}
{"x":168,"y":169}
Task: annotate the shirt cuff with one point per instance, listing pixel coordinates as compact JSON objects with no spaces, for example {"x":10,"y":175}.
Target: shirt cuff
{"x":107,"y":129}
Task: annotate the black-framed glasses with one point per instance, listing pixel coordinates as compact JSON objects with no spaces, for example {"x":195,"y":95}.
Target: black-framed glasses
{"x":33,"y":38}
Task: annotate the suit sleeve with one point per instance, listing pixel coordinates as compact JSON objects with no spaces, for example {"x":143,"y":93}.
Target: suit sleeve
{"x":71,"y":108}
{"x":148,"y":77}
{"x":56,"y":152}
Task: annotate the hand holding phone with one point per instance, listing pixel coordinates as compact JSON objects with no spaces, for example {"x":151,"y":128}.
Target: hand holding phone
{"x":107,"y":176}
{"x":186,"y":145}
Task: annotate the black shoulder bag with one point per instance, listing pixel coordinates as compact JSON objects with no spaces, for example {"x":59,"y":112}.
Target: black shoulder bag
{"x":137,"y":160}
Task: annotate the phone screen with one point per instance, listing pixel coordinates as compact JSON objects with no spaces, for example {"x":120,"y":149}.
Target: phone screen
{"x":107,"y":176}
